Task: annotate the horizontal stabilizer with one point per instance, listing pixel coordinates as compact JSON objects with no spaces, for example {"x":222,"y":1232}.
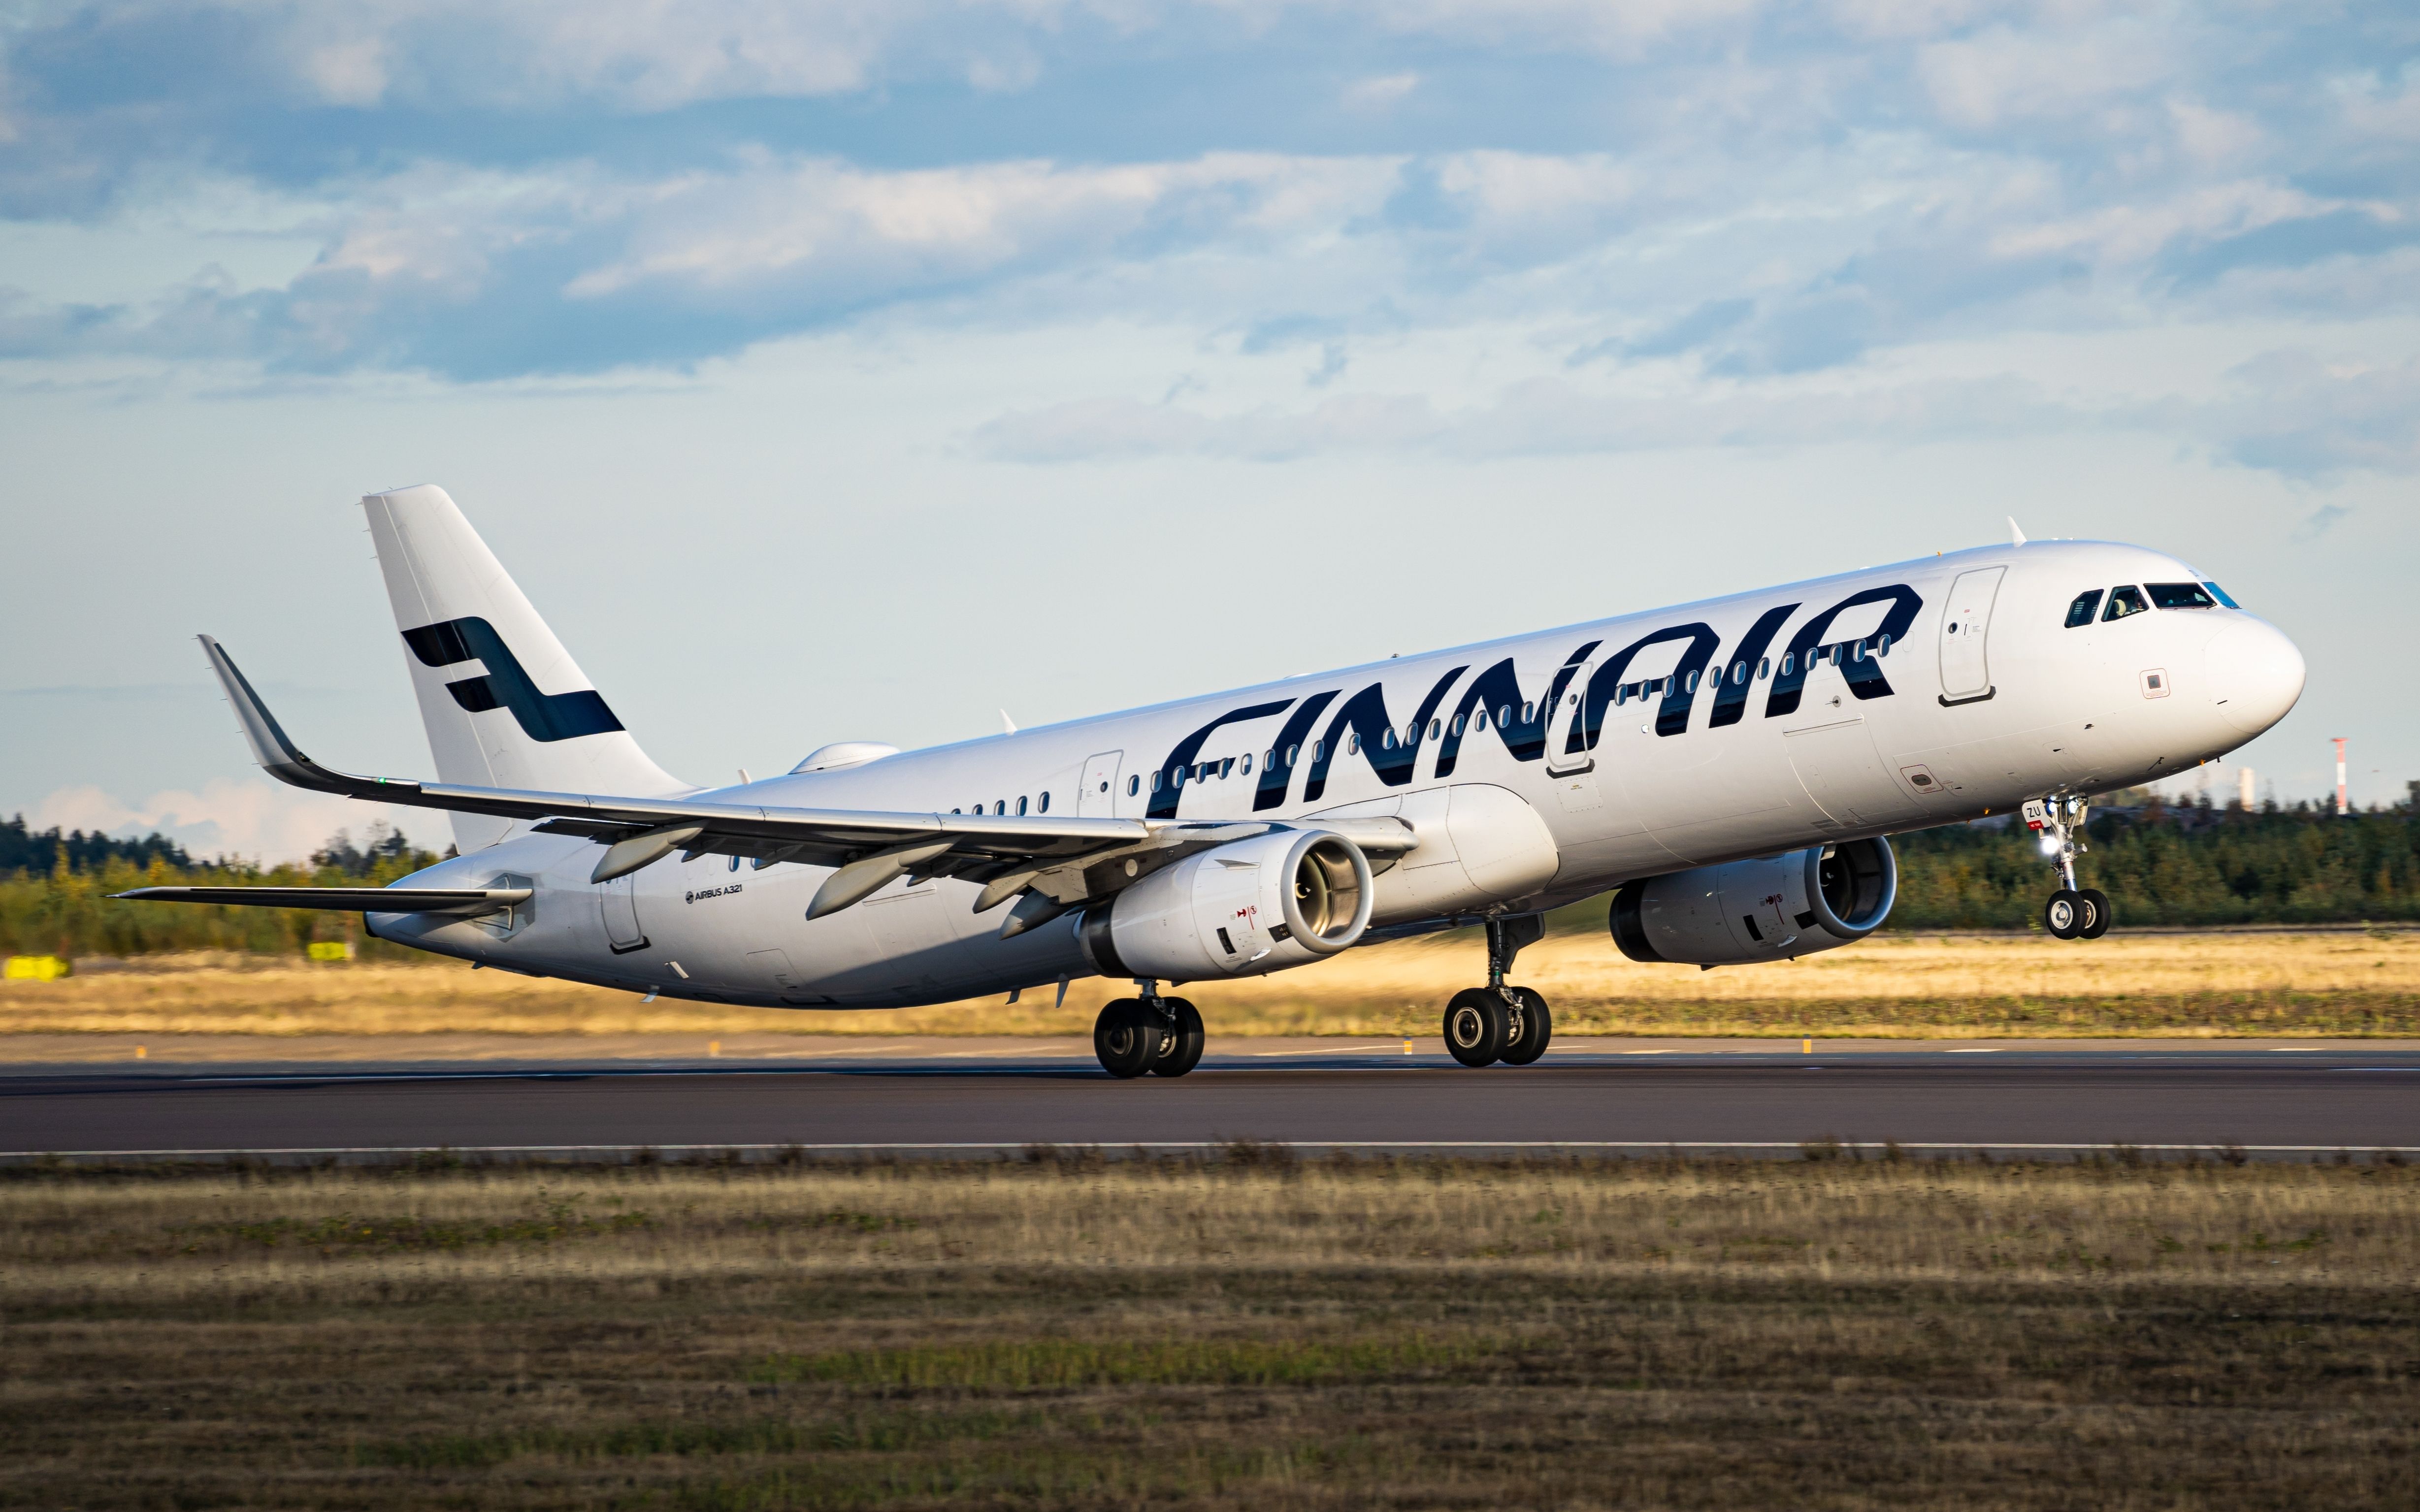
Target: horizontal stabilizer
{"x":465,"y":901}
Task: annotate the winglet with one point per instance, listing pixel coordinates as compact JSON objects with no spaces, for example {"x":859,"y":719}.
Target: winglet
{"x":277,"y":755}
{"x":2016,"y":536}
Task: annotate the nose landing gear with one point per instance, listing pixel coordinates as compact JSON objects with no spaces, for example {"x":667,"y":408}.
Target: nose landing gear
{"x":2072,"y":913}
{"x":1148,"y":1035}
{"x":1485,"y":1024}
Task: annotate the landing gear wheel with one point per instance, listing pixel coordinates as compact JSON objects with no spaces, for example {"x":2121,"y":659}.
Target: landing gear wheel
{"x":1477,"y":1024}
{"x":2065,"y":915}
{"x":2096,"y":907}
{"x":1181,"y":1051}
{"x":1127,"y":1037}
{"x":1533,"y":1029}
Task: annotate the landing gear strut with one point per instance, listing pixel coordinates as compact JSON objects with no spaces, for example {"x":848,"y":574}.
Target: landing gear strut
{"x":1485,"y":1024}
{"x":1150,"y":1034}
{"x":2072,"y":913}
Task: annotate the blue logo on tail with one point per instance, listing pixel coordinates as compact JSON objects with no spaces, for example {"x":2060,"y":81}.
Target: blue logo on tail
{"x":547,"y":716}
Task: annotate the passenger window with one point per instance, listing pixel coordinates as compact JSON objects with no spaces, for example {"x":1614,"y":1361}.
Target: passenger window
{"x":1529,"y":713}
{"x":2080,"y":612}
{"x":1353,"y":743}
{"x":2125,"y":601}
{"x":1247,"y":767}
{"x":1021,"y":805}
{"x":1227,"y":769}
{"x":1292,"y":751}
{"x":1043,"y":806}
{"x":1764,"y":667}
{"x":1504,"y":713}
{"x":999,"y":806}
{"x":1788,"y":659}
{"x":1882,"y":647}
{"x":1436,"y":728}
{"x":2220,"y":593}
{"x":2179,"y":596}
{"x":1134,"y":784}
{"x":1318,"y":751}
{"x":1158,"y":781}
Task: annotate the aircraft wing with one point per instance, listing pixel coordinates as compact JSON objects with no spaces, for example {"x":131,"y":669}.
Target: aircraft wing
{"x":1063,"y":859}
{"x":465,"y":902}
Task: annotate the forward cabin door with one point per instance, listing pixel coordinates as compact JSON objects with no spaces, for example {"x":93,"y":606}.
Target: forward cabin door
{"x":1097,"y":798}
{"x":1966,"y":668}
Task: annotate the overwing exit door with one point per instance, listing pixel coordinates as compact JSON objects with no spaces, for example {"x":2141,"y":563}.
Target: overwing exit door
{"x":1097,"y":798}
{"x":1965,"y":662}
{"x":1564,"y":721}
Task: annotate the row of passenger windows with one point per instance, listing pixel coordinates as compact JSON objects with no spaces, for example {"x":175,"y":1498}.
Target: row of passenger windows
{"x":2126,"y":599}
{"x":1666,"y":687}
{"x":1000,"y":805}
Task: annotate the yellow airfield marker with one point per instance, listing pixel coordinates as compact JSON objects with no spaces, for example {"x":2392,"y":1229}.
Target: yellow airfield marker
{"x":714,"y":1047}
{"x":1805,"y":1047}
{"x":140,"y":1053}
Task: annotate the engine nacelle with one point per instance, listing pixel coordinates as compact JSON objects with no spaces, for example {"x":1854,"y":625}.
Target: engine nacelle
{"x":1767,"y":909}
{"x":1257,"y":905}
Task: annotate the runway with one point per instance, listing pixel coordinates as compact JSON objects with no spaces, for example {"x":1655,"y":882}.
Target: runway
{"x":2277,"y":1102}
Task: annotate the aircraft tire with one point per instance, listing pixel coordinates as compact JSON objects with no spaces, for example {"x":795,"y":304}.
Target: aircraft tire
{"x":1180,"y":1052}
{"x":2096,"y":903}
{"x":1475,"y":1024}
{"x":2064,"y":914}
{"x":1127,"y":1038}
{"x":1537,"y":1029}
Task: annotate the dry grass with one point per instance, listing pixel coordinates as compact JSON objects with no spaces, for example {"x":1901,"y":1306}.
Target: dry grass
{"x":2209,"y":985}
{"x":1240,"y":1334}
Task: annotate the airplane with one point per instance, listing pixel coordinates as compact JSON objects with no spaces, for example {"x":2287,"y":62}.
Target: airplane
{"x":1729,"y":770}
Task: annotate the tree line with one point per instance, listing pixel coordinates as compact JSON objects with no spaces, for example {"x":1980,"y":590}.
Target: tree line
{"x":2299,"y":865}
{"x":55,"y":898}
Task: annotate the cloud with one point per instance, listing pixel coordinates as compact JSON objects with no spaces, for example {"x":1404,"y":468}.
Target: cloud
{"x":254,"y":819}
{"x":2293,"y":413}
{"x":1381,"y":92}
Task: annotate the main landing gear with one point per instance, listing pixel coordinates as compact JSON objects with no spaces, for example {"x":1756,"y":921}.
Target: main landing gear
{"x":1485,"y":1024}
{"x":1148,"y":1035}
{"x":2072,"y":913}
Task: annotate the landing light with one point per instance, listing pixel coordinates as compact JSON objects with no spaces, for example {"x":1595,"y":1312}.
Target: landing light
{"x":2050,"y":845}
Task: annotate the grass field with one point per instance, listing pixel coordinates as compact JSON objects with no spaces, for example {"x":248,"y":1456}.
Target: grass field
{"x":1240,"y":1332}
{"x":2202,"y":984}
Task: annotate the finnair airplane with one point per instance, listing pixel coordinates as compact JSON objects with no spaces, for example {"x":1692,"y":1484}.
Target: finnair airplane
{"x":1727,"y":769}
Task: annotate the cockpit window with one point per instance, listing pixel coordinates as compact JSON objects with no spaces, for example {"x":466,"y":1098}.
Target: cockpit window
{"x":2125,"y":601}
{"x":2220,"y":593}
{"x":2080,"y":612}
{"x":2181,"y":596}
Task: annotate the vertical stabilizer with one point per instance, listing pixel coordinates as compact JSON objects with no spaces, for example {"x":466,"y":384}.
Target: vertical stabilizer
{"x":505,"y":704}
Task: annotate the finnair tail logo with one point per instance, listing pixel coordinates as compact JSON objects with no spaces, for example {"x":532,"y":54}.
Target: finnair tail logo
{"x":546,"y":717}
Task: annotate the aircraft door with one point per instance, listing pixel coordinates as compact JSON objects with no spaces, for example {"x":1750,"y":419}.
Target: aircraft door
{"x":1965,"y":670}
{"x":619,"y":902}
{"x":1563,"y":720}
{"x":1097,"y":797}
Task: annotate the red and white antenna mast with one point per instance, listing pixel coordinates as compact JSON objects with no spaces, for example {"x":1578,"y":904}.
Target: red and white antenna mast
{"x":2342,"y":807}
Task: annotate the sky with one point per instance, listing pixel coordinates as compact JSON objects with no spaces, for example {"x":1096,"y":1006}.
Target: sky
{"x":860,"y":370}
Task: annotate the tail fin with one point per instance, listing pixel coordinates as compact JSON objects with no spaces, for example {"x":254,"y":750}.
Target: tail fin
{"x":505,"y":704}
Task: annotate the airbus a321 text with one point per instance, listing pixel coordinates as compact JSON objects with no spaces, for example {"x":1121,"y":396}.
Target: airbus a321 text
{"x":1728,"y":769}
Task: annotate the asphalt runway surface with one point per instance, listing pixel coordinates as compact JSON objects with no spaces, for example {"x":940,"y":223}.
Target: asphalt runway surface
{"x":2270,"y":1101}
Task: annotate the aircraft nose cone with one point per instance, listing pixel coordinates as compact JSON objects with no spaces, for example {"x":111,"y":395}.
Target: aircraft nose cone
{"x":2256,"y":674}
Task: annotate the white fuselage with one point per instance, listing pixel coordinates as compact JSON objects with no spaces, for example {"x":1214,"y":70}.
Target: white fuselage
{"x":1512,"y":816}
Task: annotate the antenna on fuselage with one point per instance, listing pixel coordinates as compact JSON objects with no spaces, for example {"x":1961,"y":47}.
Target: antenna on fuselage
{"x":2016,"y":536}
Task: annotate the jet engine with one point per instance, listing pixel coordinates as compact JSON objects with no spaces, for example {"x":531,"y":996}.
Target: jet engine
{"x":1767,"y":909}
{"x":1241,"y":909}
